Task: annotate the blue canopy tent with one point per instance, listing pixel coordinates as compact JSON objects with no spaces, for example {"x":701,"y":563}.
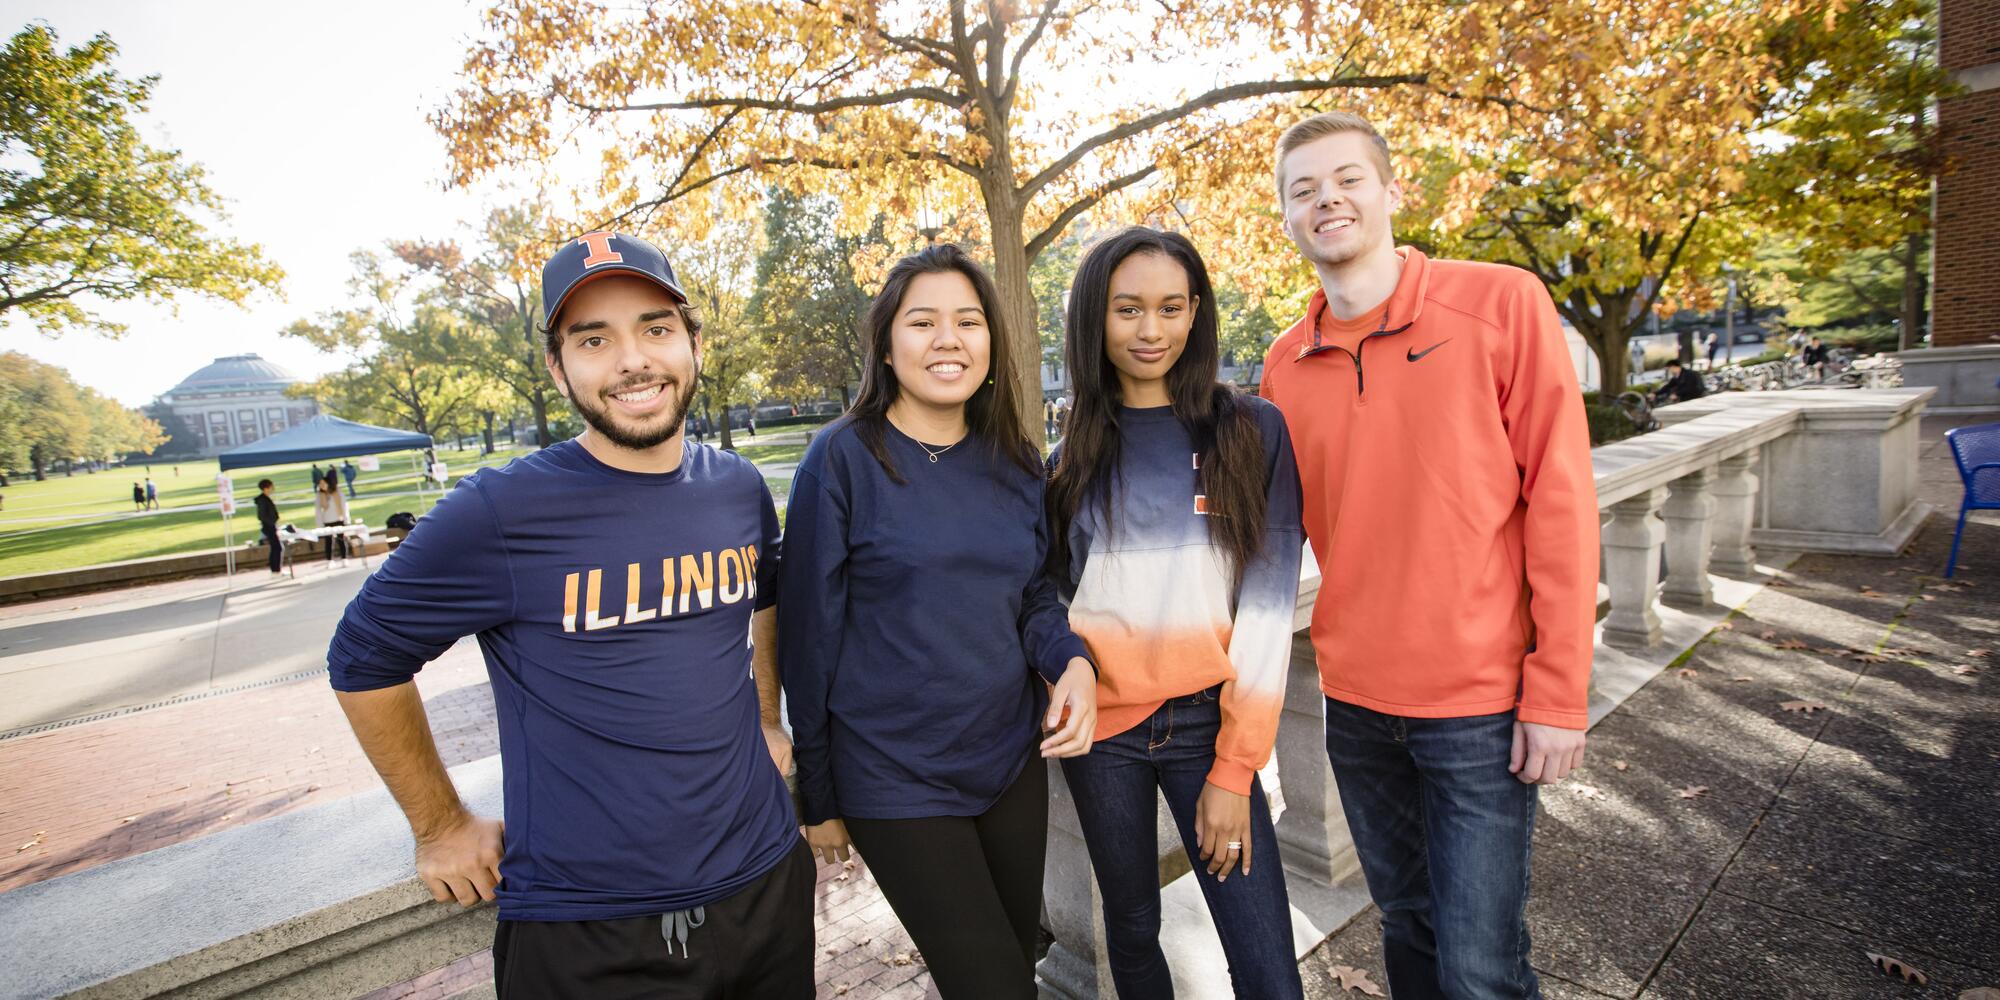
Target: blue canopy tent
{"x":322,"y":437}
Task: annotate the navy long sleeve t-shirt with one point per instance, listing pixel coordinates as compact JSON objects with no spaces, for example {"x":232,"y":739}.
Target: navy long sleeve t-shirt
{"x":613,"y":609}
{"x":915,"y":621}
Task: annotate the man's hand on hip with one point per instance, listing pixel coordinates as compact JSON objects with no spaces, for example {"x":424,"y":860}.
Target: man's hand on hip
{"x":462,"y":861}
{"x":1544,"y":755}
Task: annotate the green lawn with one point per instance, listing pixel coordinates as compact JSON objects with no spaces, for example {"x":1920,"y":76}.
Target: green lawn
{"x":87,"y":519}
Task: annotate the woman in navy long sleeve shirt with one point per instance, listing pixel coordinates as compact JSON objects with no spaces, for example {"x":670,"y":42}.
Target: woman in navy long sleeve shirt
{"x":917,"y":631}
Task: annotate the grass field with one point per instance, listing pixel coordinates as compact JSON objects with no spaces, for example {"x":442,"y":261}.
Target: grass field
{"x":67,"y":522}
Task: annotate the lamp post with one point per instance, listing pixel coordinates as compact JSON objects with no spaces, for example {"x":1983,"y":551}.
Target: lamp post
{"x":1729,"y":318}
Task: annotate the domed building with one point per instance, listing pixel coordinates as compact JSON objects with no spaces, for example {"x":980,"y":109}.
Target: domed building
{"x":232,"y":401}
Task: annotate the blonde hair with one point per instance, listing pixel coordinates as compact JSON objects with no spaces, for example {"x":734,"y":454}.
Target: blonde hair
{"x":1325,"y":124}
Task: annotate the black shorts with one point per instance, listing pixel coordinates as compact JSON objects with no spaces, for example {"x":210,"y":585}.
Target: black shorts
{"x":755,"y":944}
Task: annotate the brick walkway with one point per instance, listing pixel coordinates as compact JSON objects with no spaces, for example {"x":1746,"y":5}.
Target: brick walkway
{"x":82,"y":795}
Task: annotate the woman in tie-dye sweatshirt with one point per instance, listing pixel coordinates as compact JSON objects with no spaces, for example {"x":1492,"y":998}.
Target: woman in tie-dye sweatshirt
{"x":1175,"y":504}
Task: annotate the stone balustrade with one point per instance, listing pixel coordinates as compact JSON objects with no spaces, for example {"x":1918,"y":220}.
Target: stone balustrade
{"x":323,"y":902}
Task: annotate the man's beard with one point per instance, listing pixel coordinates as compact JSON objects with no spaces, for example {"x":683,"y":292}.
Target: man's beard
{"x":600,"y":419}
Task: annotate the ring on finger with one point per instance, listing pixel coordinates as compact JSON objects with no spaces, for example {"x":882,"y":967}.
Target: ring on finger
{"x":1235,"y":845}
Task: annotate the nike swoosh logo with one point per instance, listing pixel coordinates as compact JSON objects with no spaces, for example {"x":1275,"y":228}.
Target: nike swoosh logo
{"x":1416,"y":355}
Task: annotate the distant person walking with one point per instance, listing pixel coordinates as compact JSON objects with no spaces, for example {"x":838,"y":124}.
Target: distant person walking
{"x":152,"y":495}
{"x":1714,"y":345}
{"x":267,"y":521}
{"x":347,"y":471}
{"x":138,"y":497}
{"x":317,"y":475}
{"x":1638,"y":361}
{"x":330,"y":511}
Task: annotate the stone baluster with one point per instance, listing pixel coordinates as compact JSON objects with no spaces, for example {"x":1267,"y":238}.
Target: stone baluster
{"x":1632,"y":545}
{"x":1690,"y":517}
{"x":1313,"y":831}
{"x":1735,"y":493}
{"x":1072,"y":908}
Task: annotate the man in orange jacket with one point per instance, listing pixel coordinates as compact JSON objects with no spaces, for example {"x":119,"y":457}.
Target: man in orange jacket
{"x":1445,"y":462}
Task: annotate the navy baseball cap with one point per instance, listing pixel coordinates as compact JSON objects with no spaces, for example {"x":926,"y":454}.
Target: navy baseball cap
{"x":594,"y":255}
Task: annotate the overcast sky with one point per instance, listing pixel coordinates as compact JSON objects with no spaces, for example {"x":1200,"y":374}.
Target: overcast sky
{"x":310,"y":121}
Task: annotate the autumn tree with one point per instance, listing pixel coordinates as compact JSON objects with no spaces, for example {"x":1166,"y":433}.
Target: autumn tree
{"x":1861,"y":147}
{"x":807,"y":298}
{"x":1008,"y":121}
{"x":89,"y":212}
{"x":497,"y":288}
{"x":394,"y":337}
{"x":720,"y":276}
{"x":46,"y":417}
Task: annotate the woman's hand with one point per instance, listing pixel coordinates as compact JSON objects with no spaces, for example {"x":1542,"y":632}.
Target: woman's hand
{"x":829,"y":840}
{"x":1072,"y":711}
{"x":1222,"y":819}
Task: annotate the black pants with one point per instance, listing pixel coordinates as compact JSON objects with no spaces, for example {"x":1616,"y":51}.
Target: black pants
{"x":969,"y":888}
{"x":277,"y":547}
{"x":335,"y":543}
{"x":755,"y":944}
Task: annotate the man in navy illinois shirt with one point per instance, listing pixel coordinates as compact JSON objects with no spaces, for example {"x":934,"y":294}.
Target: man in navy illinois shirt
{"x":622,"y":587}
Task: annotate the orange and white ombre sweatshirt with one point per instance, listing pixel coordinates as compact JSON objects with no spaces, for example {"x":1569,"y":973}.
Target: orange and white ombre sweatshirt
{"x":1152,"y":597}
{"x":1449,"y":499}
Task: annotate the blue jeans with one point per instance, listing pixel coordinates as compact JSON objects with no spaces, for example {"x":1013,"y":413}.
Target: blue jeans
{"x":1444,"y":833}
{"x":1115,"y":803}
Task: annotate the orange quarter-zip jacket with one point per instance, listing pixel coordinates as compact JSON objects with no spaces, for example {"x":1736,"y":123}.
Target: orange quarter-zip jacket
{"x":1445,"y":466}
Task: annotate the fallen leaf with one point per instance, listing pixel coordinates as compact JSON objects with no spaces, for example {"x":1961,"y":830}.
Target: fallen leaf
{"x":1792,"y":644}
{"x":1965,"y":670}
{"x":900,"y":958}
{"x":1870,"y":592}
{"x":1741,"y":680}
{"x":1351,"y":978}
{"x":1979,"y":654}
{"x":1767,"y":634}
{"x":840,"y":991}
{"x":32,"y":843}
{"x":1725,"y":626}
{"x":1586,"y":791}
{"x":1694,"y":791}
{"x":1688,"y":673}
{"x":1898,"y":651}
{"x":1980,"y":993}
{"x":1927,"y":597}
{"x":128,"y":819}
{"x":1619,"y":765}
{"x":833,"y":951}
{"x":1868,"y":657}
{"x":1834,"y":650}
{"x":1807,"y":707}
{"x":1899,"y":968}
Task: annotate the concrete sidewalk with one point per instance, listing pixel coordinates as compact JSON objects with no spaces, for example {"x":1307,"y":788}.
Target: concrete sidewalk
{"x":76,"y":657}
{"x":1720,"y":844}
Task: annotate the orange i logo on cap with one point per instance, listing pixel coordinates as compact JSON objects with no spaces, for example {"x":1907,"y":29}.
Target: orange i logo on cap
{"x":600,"y":249}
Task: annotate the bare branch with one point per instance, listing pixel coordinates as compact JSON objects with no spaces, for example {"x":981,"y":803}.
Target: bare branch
{"x":1218,"y":96}
{"x":1054,"y":230}
{"x":790,"y":106}
{"x":1020,"y":54}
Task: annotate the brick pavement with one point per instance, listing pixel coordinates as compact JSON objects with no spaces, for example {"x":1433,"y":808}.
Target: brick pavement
{"x":81,"y":795}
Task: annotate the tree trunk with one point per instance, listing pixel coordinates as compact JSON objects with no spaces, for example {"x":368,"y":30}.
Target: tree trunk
{"x":540,"y":405}
{"x":1914,"y":291}
{"x":1017,"y":298}
{"x":726,"y":446}
{"x":488,"y":414}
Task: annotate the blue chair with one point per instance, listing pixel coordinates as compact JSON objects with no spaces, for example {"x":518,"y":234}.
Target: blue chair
{"x":1977,"y":450}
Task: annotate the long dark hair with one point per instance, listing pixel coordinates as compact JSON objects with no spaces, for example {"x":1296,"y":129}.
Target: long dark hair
{"x":1232,"y":474}
{"x":990,"y":414}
